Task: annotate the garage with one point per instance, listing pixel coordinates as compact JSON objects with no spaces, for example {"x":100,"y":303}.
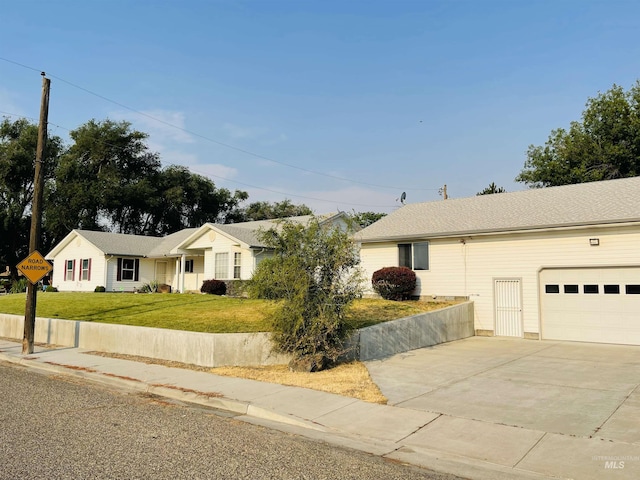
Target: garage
{"x":591,"y":304}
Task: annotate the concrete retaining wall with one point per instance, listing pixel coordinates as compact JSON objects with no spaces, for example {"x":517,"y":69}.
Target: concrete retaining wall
{"x":241,"y":349}
{"x":204,"y":349}
{"x":417,"y":331}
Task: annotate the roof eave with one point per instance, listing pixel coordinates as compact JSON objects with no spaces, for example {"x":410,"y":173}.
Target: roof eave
{"x":504,"y":231}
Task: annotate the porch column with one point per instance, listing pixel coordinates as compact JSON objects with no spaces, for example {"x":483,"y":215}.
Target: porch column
{"x":183,"y":264}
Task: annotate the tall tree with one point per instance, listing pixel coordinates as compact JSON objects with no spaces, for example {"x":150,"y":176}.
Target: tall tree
{"x":269,"y":211}
{"x":491,"y":189}
{"x":110,"y":180}
{"x":18,"y":141}
{"x":104,"y":181}
{"x":604,"y":145}
{"x":364,"y":219}
{"x":184,"y":199}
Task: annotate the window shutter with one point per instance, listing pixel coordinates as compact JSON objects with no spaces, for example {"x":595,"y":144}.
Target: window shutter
{"x":119,"y":274}
{"x":79,"y":270}
{"x":89,"y":274}
{"x":136,"y":273}
{"x":73,"y":271}
{"x":66,"y":265}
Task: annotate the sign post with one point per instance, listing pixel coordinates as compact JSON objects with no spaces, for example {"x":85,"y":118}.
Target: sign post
{"x":36,"y":219}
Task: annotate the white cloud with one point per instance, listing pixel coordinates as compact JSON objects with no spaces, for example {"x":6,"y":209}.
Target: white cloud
{"x":261,"y":135}
{"x":348,"y":200}
{"x":9,"y":108}
{"x":161,"y":125}
{"x":237,"y":132}
{"x":214,"y":170}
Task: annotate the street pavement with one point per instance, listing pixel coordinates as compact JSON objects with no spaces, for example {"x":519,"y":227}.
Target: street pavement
{"x":481,"y":408}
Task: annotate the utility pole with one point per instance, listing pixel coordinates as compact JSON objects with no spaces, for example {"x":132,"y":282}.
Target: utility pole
{"x":36,"y":217}
{"x":443,"y":192}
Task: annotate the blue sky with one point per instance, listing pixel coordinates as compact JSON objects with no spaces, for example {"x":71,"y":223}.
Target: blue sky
{"x":335,"y":104}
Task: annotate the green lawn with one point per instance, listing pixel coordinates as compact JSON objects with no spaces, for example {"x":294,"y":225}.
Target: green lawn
{"x":191,"y":312}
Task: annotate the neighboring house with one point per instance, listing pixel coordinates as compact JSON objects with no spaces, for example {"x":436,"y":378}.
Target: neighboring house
{"x":557,"y":263}
{"x":86,"y":259}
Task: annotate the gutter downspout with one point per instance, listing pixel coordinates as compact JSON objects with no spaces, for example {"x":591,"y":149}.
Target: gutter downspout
{"x":183,"y":264}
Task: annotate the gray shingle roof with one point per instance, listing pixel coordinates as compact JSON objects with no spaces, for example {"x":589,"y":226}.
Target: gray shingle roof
{"x":607,"y":202}
{"x":170,"y":242}
{"x":247,"y":232}
{"x":121,"y":243}
{"x":145,"y":246}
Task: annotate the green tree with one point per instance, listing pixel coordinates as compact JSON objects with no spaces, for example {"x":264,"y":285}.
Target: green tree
{"x":104,"y":181}
{"x":364,"y":219}
{"x":184,"y":199}
{"x":314,"y":273}
{"x":491,"y":189}
{"x":109,"y":180}
{"x":18,"y":142}
{"x":269,"y":211}
{"x":604,"y":145}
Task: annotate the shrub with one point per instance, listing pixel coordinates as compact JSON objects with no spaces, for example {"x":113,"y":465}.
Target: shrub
{"x":19,"y":286}
{"x":214,"y":287}
{"x":50,"y":288}
{"x":394,"y":283}
{"x":151,"y":287}
{"x":100,"y":289}
{"x":314,"y":272}
{"x":237,"y":288}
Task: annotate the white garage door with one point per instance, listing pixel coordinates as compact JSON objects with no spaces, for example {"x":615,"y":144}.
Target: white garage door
{"x":591,"y":304}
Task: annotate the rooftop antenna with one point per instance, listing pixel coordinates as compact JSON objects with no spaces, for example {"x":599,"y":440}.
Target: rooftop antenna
{"x":402,"y":198}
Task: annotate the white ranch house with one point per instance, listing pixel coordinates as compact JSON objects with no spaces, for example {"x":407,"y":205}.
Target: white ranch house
{"x":86,"y":259}
{"x":558,"y":263}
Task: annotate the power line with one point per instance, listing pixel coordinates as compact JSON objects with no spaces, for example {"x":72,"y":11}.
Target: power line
{"x":224,"y":178}
{"x":217,"y":142}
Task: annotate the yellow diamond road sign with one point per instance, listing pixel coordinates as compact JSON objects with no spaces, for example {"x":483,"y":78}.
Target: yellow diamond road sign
{"x":34,"y":267}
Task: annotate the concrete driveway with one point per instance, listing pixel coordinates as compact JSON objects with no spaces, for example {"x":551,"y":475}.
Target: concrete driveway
{"x":575,"y":389}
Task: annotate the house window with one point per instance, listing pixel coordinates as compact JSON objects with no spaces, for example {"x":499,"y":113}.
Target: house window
{"x":188,"y":266}
{"x":86,"y":269}
{"x":70,"y":270}
{"x":237,"y":262}
{"x":632,"y":289}
{"x":222,"y":266}
{"x":590,"y":289}
{"x":414,"y":255}
{"x":128,"y":269}
{"x":615,"y":289}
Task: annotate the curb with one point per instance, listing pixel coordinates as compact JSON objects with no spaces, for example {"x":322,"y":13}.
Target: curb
{"x":392,"y":451}
{"x":211,"y":400}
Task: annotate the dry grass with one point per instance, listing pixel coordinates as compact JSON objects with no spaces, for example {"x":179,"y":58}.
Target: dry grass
{"x":348,"y":379}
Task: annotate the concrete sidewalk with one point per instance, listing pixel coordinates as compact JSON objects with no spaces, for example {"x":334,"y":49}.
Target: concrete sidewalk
{"x":416,"y":429}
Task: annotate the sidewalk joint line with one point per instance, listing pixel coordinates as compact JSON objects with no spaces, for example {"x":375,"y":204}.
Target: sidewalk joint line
{"x":420,"y":428}
{"x":529,"y":451}
{"x":614,"y":412}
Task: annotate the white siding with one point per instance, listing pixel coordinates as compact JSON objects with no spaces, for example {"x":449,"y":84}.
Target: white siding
{"x":193,"y":281}
{"x":469,"y":268}
{"x":77,"y":250}
{"x":146,"y":274}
